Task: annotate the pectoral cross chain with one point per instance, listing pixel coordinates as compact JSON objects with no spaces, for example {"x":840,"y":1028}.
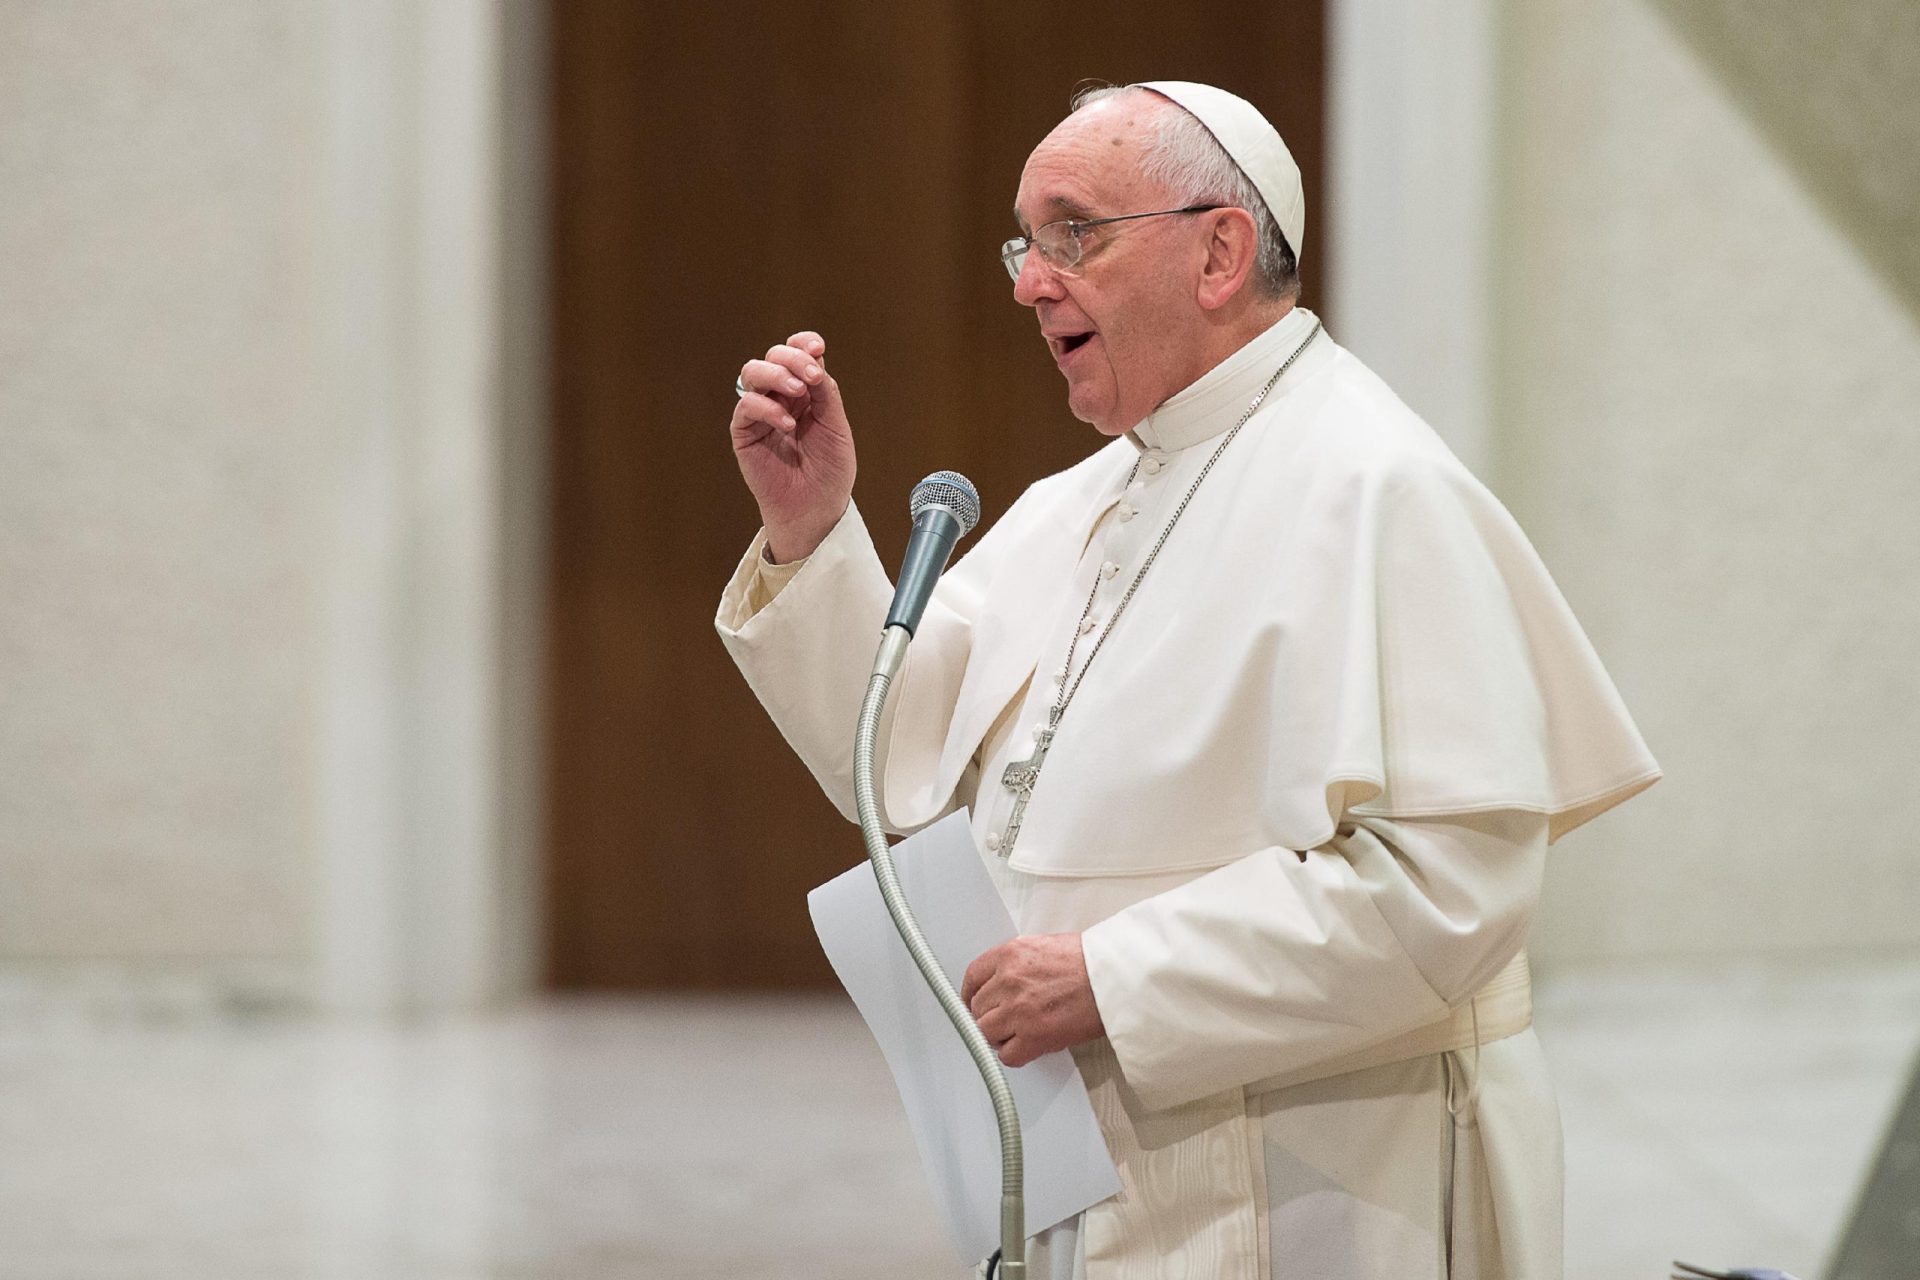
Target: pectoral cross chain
{"x":1019,"y":778}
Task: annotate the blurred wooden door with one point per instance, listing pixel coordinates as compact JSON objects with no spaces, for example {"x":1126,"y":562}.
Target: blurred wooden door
{"x":723,"y":176}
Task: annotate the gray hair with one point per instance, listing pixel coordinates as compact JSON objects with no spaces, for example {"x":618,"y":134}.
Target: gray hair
{"x":1191,"y":163}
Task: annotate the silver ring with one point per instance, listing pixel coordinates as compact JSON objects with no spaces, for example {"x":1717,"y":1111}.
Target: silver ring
{"x":740,"y":388}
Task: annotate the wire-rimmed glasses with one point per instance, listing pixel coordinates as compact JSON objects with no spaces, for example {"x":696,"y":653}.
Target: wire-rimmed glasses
{"x":1062,"y":243}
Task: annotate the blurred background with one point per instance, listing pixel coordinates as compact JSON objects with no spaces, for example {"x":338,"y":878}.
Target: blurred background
{"x":395,"y":878}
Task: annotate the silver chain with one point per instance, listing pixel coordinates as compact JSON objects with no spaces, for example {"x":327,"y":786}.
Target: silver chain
{"x":1059,"y":708}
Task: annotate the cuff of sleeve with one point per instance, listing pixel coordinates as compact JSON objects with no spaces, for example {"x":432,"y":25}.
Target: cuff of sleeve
{"x":758,"y":581}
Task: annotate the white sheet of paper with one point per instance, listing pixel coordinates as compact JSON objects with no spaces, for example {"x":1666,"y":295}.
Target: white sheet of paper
{"x":1067,"y":1165}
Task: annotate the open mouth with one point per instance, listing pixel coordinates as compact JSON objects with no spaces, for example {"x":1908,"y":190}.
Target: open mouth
{"x":1068,"y":343}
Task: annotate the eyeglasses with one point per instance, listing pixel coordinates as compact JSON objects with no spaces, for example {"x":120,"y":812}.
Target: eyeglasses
{"x":1062,"y":243}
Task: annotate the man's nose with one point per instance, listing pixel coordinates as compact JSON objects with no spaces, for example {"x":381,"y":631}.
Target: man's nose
{"x":1036,"y":280}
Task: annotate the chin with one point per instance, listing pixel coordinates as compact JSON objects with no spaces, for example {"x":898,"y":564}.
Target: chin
{"x":1094,"y":418}
{"x":1105,"y":424}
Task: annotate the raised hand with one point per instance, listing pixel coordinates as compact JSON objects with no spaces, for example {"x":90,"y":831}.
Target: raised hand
{"x":793,"y":444}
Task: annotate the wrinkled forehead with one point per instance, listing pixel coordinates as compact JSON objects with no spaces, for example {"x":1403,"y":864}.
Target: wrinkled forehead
{"x":1089,"y":166}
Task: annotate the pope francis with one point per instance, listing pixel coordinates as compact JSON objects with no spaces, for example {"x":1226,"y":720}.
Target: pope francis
{"x":1266,"y":713}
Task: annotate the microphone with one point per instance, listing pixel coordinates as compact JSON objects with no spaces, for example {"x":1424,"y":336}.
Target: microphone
{"x":945,"y":507}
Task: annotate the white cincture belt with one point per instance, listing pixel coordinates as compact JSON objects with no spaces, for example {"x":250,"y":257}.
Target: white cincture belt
{"x":1503,"y":1007}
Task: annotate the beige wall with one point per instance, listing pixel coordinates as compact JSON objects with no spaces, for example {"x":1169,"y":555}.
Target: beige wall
{"x":159,"y":402}
{"x":257,"y":390}
{"x":1707,"y":380}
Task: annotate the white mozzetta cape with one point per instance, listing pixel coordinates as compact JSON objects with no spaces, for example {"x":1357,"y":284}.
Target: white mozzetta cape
{"x":1345,"y":638}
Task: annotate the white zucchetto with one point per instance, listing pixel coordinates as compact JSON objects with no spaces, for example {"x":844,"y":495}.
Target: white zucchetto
{"x":1254,"y":144}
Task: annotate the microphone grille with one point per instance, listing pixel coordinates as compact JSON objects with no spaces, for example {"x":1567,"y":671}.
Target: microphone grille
{"x":951,"y":490}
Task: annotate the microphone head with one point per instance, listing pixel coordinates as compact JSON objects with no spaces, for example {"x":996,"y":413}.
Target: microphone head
{"x":951,"y":490}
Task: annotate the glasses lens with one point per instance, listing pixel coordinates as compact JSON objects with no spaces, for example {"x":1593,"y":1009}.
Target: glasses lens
{"x":1058,"y":245}
{"x":1014,"y":254}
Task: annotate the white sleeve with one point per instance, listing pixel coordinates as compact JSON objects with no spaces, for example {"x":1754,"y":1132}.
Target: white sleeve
{"x":804,"y":636}
{"x":1282,"y":960}
{"x":805,"y":644}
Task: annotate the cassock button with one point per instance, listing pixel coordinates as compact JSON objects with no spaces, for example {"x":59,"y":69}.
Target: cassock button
{"x":1086,"y":627}
{"x":1108,"y":569}
{"x":993,"y":843}
{"x":1126,"y":512}
{"x":1151,"y":466}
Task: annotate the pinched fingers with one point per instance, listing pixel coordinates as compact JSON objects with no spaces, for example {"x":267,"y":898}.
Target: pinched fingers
{"x":773,"y":395}
{"x":757,"y":408}
{"x":788,"y":389}
{"x":770,"y":378}
{"x":799,"y":363}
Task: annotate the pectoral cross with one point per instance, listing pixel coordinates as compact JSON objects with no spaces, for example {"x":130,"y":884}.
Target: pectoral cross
{"x":1020,"y":777}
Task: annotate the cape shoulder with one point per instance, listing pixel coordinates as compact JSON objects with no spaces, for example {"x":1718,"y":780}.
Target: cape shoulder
{"x":1448,"y":673}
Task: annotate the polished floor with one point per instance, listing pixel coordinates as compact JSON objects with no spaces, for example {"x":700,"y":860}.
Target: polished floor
{"x":1721,"y":1114}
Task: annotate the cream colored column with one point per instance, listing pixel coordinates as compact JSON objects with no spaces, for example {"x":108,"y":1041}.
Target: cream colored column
{"x":1411,"y":178}
{"x":426,"y":751}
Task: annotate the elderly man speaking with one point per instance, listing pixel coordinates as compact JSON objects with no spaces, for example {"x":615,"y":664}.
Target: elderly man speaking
{"x":1266,"y":713}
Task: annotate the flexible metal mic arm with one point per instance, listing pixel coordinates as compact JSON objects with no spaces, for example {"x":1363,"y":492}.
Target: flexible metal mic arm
{"x":1013,"y":1208}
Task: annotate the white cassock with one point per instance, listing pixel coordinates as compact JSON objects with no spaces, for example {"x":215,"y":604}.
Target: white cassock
{"x":1299,"y":812}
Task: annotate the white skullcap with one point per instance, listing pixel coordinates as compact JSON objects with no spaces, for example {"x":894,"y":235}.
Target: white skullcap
{"x":1255,"y":146}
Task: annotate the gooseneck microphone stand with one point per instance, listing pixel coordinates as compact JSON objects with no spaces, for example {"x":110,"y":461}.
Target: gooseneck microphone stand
{"x":886,"y":665}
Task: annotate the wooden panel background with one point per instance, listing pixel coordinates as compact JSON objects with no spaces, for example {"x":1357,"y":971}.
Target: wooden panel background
{"x":723,"y":176}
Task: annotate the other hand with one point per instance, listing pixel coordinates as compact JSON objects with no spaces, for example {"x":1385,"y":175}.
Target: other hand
{"x":1031,"y":996}
{"x":795,"y":450}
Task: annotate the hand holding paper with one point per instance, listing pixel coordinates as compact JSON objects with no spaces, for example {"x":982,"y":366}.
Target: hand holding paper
{"x":1031,"y":996}
{"x":1067,"y":1165}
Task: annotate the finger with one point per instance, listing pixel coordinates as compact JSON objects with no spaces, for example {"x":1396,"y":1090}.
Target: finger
{"x":977,"y":975}
{"x":799,"y":363}
{"x":755,"y":407}
{"x":994,"y":993}
{"x":810,"y":342}
{"x":995,"y":1025}
{"x":764,"y":375}
{"x":1016,"y":1053}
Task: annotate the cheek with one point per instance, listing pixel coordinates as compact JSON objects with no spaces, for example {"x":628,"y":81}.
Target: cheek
{"x":1126,"y":358}
{"x":1141,"y":350}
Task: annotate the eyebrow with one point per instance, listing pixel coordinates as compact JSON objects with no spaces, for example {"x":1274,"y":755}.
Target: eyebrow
{"x":1065,"y":207}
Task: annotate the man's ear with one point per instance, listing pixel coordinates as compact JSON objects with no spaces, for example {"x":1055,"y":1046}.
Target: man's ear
{"x":1232,"y":250}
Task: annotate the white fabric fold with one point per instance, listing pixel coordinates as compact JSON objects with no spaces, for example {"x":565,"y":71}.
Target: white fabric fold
{"x":1282,"y":961}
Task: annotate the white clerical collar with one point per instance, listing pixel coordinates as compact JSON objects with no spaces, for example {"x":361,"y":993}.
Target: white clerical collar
{"x":1215,"y":401}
